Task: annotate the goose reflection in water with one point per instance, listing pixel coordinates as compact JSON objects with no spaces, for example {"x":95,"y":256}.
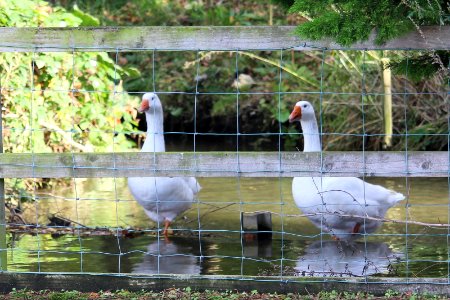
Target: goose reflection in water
{"x":174,"y":256}
{"x":338,"y":258}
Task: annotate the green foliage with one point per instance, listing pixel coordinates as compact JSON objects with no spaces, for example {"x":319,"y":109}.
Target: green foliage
{"x":259,"y":111}
{"x":173,"y":13}
{"x":188,"y":293}
{"x":422,"y":65}
{"x":86,"y":19}
{"x":390,"y":293}
{"x":34,"y":13}
{"x":284,"y":3}
{"x":214,"y":113}
{"x":225,"y":105}
{"x":352,"y":21}
{"x":48,"y":98}
{"x":61,"y":101}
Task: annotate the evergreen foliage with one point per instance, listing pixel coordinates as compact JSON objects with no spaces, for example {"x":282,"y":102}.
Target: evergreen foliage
{"x":352,"y":21}
{"x":422,"y":65}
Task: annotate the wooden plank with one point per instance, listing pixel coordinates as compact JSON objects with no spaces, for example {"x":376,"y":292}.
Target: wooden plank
{"x":3,"y":248}
{"x":3,"y":242}
{"x":197,"y":38}
{"x":224,"y":164}
{"x":304,"y":285}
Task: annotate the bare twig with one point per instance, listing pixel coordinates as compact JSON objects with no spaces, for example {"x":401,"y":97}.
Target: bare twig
{"x":210,"y":211}
{"x":69,"y":220}
{"x":67,"y":136}
{"x":14,"y":215}
{"x":383,"y":220}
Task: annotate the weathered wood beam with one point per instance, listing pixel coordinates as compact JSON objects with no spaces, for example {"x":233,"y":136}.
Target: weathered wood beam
{"x":305,"y":285}
{"x":197,"y":38}
{"x":224,"y":164}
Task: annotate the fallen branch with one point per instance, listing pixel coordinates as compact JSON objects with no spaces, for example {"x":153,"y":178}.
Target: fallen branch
{"x":69,"y":220}
{"x":383,"y":220}
{"x":93,"y":231}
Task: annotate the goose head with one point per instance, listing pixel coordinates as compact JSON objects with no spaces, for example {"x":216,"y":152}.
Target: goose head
{"x":303,"y":111}
{"x":150,"y":103}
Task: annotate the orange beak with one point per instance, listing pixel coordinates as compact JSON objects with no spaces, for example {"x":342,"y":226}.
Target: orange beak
{"x":144,"y":106}
{"x":296,"y":114}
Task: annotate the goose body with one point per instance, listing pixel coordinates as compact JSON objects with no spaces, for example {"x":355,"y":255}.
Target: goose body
{"x":332,"y":203}
{"x":163,"y":198}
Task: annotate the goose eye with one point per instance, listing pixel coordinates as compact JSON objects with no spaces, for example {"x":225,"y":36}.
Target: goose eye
{"x":305,"y":105}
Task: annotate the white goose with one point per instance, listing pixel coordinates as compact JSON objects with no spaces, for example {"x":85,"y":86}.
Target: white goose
{"x":325,"y":198}
{"x":162,"y":198}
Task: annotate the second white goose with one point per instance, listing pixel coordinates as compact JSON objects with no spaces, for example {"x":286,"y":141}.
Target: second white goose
{"x":327,"y":199}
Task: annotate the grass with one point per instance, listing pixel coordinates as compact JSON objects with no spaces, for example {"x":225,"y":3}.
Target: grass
{"x":188,"y":293}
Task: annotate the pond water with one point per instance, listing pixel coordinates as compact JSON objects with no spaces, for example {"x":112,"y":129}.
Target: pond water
{"x":212,"y":244}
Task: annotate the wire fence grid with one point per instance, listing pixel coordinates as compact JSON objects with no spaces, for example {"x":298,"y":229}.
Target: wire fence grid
{"x":95,"y":225}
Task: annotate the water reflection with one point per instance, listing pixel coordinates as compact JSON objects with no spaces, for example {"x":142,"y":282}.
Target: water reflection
{"x":174,"y":256}
{"x":107,"y":203}
{"x":257,"y":244}
{"x":337,"y":258}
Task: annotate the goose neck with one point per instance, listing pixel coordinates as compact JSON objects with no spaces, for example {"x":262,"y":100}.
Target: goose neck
{"x":154,"y":141}
{"x":311,"y":136}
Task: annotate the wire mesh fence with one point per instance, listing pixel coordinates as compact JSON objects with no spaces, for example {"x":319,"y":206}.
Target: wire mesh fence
{"x":246,"y":220}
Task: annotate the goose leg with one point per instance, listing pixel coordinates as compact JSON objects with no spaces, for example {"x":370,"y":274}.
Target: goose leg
{"x":166,"y":227}
{"x":356,"y":228}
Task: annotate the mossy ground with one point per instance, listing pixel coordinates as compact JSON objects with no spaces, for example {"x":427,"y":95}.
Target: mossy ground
{"x":188,"y":293}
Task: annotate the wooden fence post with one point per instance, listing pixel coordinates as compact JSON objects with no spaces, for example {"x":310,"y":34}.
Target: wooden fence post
{"x":3,"y":250}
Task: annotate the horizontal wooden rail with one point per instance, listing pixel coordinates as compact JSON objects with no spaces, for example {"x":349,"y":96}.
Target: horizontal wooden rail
{"x":303,"y":285}
{"x":224,"y":164}
{"x":198,"y":38}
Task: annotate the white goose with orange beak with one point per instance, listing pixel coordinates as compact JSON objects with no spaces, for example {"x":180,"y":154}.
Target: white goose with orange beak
{"x":163,"y":198}
{"x":333,"y":202}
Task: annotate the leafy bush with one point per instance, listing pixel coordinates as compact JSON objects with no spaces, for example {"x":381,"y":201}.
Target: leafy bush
{"x":61,"y":101}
